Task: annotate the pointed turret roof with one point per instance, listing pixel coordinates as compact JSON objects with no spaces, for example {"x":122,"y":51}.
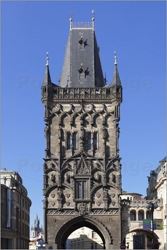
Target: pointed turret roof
{"x":82,"y":66}
{"x":47,"y":78}
{"x":116,"y":79}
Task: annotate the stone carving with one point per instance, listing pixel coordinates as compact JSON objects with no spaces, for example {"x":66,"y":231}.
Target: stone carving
{"x":105,"y":194}
{"x":53,"y":178}
{"x":67,"y":177}
{"x":76,"y":93}
{"x":104,"y":212}
{"x":97,"y":177}
{"x":83,"y":210}
{"x":113,"y":203}
{"x":98,"y":203}
{"x":98,"y":195}
{"x":68,"y":195}
{"x":56,"y":109}
{"x":65,"y":212}
{"x":82,"y":167}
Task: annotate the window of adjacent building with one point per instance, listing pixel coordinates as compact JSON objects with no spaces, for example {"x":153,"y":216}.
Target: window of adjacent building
{"x":9,"y":207}
{"x":140,"y":215}
{"x":132,"y":215}
{"x":81,"y":189}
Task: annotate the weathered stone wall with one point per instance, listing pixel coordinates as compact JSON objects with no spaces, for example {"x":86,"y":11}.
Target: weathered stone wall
{"x":82,"y":150}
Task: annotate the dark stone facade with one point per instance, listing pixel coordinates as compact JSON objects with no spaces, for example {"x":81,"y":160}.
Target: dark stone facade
{"x":82,"y":171}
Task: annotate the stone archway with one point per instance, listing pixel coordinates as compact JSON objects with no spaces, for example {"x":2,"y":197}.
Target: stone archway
{"x":142,"y":239}
{"x":84,"y":238}
{"x":82,"y":221}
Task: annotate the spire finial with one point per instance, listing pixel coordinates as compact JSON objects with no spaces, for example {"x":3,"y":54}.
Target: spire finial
{"x":115,"y":58}
{"x":93,"y":19}
{"x":70,"y":19}
{"x":47,"y":58}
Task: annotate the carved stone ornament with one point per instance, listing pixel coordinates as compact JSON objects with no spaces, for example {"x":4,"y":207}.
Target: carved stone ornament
{"x":68,"y":195}
{"x":65,"y":212}
{"x":104,"y":212}
{"x":68,"y":203}
{"x":113,"y":195}
{"x":98,"y":195}
{"x":98,"y":203}
{"x":83,"y":208}
{"x":56,"y":109}
{"x":113,"y":203}
{"x":52,"y":195}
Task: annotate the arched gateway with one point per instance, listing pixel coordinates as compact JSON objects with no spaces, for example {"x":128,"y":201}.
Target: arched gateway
{"x":82,"y":172}
{"x":78,"y":222}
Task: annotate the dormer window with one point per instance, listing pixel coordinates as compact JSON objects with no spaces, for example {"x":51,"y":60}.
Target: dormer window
{"x":83,"y":43}
{"x":86,"y":72}
{"x":80,"y":70}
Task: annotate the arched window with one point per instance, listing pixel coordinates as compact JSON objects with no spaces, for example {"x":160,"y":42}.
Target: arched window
{"x":113,"y":178}
{"x":71,"y":141}
{"x":141,"y":215}
{"x":88,"y":140}
{"x":132,"y":215}
{"x":95,"y":140}
{"x":148,"y":215}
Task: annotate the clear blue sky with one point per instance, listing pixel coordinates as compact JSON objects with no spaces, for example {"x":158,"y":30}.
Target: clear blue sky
{"x":135,"y":29}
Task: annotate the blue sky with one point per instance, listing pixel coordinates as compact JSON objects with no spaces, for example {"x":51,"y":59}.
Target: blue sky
{"x":136,"y":30}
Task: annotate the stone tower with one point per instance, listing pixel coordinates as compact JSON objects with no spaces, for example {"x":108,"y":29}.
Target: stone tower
{"x":82,"y":171}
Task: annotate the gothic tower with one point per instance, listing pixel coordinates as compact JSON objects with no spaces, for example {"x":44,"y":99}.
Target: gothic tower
{"x":82,"y":171}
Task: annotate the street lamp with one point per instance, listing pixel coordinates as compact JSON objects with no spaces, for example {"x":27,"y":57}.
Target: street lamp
{"x":151,"y":206}
{"x":123,"y":203}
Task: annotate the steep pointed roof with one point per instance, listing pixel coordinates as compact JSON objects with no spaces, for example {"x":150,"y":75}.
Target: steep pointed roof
{"x":116,"y":79}
{"x":82,"y":66}
{"x":47,"y":78}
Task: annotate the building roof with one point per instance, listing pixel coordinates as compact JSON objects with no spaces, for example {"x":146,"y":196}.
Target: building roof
{"x":82,"y":66}
{"x":116,"y":79}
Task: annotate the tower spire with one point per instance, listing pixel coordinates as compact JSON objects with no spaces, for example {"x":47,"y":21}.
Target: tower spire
{"x":47,"y":59}
{"x":93,"y":19}
{"x":116,"y":79}
{"x":115,"y":58}
{"x":47,"y":78}
{"x":70,"y":19}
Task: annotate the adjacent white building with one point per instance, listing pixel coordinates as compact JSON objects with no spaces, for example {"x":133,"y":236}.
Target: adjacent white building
{"x":144,"y":219}
{"x":157,"y":189}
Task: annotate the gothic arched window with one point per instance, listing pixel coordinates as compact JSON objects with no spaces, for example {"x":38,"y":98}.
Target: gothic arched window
{"x":132,"y":215}
{"x":88,"y":140}
{"x":81,"y":189}
{"x":95,"y":140}
{"x":141,"y":215}
{"x":71,"y":140}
